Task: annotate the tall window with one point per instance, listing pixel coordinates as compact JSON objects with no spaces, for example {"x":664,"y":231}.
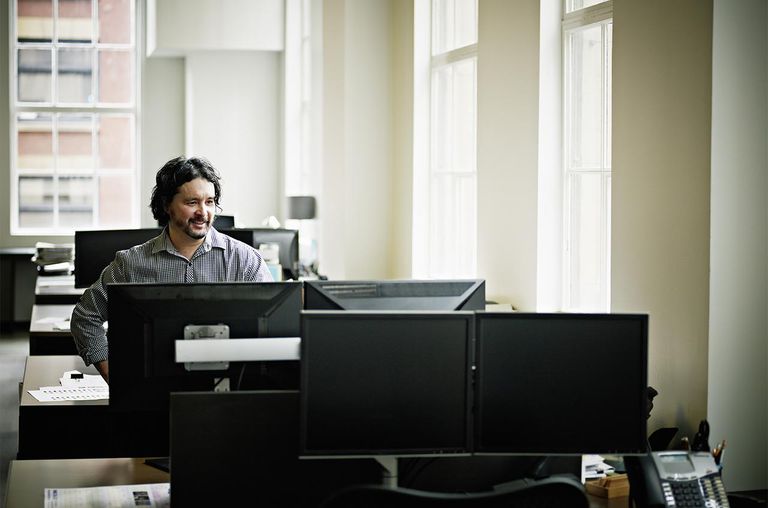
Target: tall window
{"x":73,"y":116}
{"x":587,"y":30}
{"x":445,"y":235}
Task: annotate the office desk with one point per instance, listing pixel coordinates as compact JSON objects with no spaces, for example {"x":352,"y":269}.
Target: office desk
{"x":56,"y":290}
{"x":45,"y":338}
{"x":66,"y":429}
{"x":27,"y":479}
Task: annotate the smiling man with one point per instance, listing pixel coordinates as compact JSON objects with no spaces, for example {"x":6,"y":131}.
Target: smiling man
{"x":184,"y":200}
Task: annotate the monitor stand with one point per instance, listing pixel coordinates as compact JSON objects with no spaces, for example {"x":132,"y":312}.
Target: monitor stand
{"x":388,"y":465}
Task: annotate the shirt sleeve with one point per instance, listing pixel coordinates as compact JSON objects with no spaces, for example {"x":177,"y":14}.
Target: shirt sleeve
{"x":256,"y":269}
{"x":90,"y":314}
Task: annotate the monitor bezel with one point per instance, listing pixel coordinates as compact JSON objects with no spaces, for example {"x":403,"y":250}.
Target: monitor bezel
{"x":642,"y":319}
{"x":465,"y":450}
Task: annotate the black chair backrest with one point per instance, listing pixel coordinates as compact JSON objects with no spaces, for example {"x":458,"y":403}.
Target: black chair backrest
{"x":553,"y":492}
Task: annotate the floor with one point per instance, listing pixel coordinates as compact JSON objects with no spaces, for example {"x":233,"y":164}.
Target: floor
{"x":14,"y":348}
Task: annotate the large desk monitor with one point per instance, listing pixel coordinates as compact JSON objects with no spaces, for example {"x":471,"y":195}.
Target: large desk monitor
{"x":94,"y":250}
{"x":553,"y":384}
{"x":421,"y":295}
{"x":146,"y":320}
{"x":385,"y":383}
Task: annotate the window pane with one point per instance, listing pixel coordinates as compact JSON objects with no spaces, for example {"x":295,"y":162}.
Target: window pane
{"x":115,"y":141}
{"x":466,"y":23}
{"x":36,"y":201}
{"x":574,"y":5}
{"x":34,"y":22}
{"x":75,"y":142}
{"x":115,"y":21}
{"x":588,"y":217}
{"x":34,"y":80}
{"x":115,"y":76}
{"x":75,"y":201}
{"x":586,"y":98}
{"x":442,"y":94}
{"x":75,"y":76}
{"x":464,"y":122}
{"x":34,"y":141}
{"x":75,"y":22}
{"x":453,"y":217}
{"x":115,"y":201}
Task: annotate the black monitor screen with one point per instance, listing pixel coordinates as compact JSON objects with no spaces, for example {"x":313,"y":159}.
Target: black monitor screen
{"x":385,"y":383}
{"x":395,"y":295}
{"x":145,"y":320}
{"x":94,"y":250}
{"x":561,"y":383}
{"x":224,"y":222}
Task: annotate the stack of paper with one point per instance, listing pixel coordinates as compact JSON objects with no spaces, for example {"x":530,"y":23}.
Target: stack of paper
{"x":74,"y":387}
{"x":54,"y":258}
{"x":593,"y":467}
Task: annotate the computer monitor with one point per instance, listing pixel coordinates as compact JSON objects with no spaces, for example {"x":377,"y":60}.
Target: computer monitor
{"x":385,"y":383}
{"x":286,"y":239}
{"x":224,"y":221}
{"x":550,"y":384}
{"x":94,"y":250}
{"x":439,"y":295}
{"x":145,"y":321}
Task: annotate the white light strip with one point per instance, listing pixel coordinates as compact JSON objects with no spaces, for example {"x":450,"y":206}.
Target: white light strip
{"x":237,"y":350}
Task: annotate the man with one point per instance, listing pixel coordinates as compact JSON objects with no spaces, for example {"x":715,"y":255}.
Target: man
{"x":184,"y":200}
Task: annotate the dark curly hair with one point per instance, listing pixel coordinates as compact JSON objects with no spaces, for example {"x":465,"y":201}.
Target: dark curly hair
{"x":175,"y":173}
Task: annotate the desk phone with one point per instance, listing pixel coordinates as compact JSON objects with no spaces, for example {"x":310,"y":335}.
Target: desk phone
{"x":689,"y":479}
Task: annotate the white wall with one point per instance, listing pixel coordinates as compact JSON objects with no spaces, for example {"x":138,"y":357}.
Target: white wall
{"x":233,"y":118}
{"x":738,"y":338}
{"x":176,"y":27}
{"x":358,"y":118}
{"x":507,"y":149}
{"x":662,"y":75}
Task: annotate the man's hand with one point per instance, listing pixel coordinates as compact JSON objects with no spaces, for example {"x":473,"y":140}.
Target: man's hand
{"x":103,"y":368}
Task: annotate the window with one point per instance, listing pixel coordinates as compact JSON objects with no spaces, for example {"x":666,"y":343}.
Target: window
{"x":445,"y":186}
{"x":73,"y":116}
{"x":587,"y":30}
{"x":300,"y":151}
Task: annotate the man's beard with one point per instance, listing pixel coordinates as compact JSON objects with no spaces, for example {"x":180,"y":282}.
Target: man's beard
{"x":197,"y":235}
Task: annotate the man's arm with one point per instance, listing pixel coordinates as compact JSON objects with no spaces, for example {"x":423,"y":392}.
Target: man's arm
{"x":89,"y":316}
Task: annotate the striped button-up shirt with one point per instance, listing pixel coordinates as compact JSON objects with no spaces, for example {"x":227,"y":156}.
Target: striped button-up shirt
{"x":219,"y":258}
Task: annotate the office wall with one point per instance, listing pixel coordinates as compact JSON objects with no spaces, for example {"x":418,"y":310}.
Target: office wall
{"x":232,"y":114}
{"x":507,"y":149}
{"x":178,"y":26}
{"x":738,"y":338}
{"x":358,"y":152}
{"x":662,"y":84}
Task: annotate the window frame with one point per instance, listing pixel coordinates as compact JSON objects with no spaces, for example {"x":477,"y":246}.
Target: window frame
{"x":578,"y":20}
{"x":131,"y":109}
{"x":425,"y":172}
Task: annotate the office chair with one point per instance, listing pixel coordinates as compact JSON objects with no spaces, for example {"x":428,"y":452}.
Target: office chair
{"x":553,"y":492}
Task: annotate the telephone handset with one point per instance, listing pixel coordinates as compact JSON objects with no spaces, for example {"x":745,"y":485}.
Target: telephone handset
{"x":676,"y":479}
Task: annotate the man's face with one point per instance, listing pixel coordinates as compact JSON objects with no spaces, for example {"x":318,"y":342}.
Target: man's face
{"x":193,"y":208}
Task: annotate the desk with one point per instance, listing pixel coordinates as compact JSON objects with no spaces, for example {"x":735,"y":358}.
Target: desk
{"x":57,"y":290}
{"x":66,"y":429}
{"x":44,"y":337}
{"x":27,"y":479}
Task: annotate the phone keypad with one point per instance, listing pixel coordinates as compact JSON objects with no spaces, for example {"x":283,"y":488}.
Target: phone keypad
{"x":702,"y":493}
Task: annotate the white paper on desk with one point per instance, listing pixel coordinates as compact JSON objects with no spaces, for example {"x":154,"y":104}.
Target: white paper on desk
{"x":87,"y":380}
{"x":117,"y":496}
{"x":51,"y":319}
{"x":593,"y":467}
{"x":65,"y":393}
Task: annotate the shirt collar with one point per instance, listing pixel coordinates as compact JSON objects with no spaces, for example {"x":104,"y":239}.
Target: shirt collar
{"x":163,"y":242}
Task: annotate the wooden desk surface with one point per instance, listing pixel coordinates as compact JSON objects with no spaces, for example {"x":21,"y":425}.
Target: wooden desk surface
{"x":46,"y":371}
{"x":27,"y":479}
{"x":42,"y":320}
